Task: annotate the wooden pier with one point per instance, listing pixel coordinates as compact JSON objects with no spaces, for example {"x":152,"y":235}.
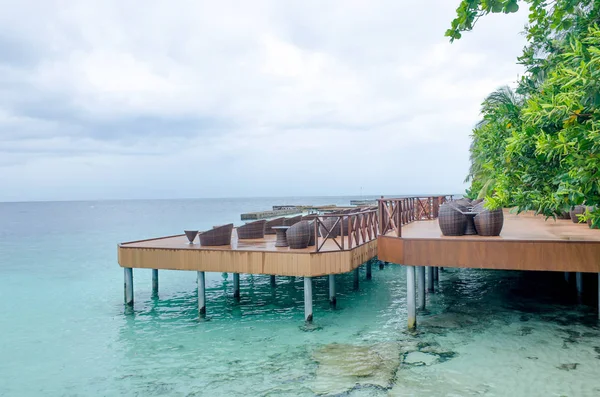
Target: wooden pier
{"x":403,"y":231}
{"x":527,"y":242}
{"x":351,"y":244}
{"x":283,"y":210}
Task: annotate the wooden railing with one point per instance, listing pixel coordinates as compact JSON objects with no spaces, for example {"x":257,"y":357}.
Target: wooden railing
{"x":395,"y":212}
{"x":346,"y":231}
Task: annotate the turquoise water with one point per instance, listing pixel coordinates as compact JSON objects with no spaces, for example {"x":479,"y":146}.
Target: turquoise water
{"x":65,"y":331}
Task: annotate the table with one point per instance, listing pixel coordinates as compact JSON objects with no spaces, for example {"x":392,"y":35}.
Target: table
{"x":470,"y":230}
{"x":281,"y":232}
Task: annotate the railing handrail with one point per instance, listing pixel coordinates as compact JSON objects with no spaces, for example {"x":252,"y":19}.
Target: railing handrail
{"x":397,"y":211}
{"x":355,"y":229}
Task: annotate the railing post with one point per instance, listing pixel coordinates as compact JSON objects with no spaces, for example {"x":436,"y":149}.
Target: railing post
{"x":342,"y":230}
{"x":376,"y":223}
{"x":399,"y":218}
{"x":430,"y":204}
{"x":380,"y":216}
{"x":350,"y":231}
{"x":317,"y":233}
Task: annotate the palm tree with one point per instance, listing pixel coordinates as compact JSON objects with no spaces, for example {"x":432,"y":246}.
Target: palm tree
{"x":501,"y":110}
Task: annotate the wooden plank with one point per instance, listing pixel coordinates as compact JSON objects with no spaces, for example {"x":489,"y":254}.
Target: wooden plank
{"x":527,"y":242}
{"x":523,"y":227}
{"x":572,"y":256}
{"x":287,"y":263}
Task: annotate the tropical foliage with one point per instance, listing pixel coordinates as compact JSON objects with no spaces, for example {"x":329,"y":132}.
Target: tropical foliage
{"x":538,"y":147}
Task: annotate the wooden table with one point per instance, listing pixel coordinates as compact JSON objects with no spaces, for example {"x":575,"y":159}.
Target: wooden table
{"x":281,"y":232}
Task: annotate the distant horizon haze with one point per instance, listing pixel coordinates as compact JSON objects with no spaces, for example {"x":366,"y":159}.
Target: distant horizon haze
{"x":292,"y":197}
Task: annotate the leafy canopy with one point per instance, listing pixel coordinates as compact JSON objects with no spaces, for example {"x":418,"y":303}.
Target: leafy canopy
{"x":538,"y":147}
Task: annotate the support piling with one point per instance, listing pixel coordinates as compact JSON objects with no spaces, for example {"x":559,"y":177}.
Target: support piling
{"x":430,"y":287}
{"x":308,"y":308}
{"x":356,"y":274}
{"x":154,"y":282}
{"x":579,"y":283}
{"x":332,"y":298}
{"x":410,"y":297}
{"x":273,"y":282}
{"x":201,"y":294}
{"x":236,"y":286}
{"x":128,"y":286}
{"x":369,"y":270}
{"x":421,"y":287}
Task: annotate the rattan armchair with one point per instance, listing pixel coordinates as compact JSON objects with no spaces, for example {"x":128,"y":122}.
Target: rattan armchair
{"x":451,"y":220}
{"x":577,"y":210}
{"x":220,"y":235}
{"x":298,"y":235}
{"x":292,"y":221}
{"x":463,"y":201}
{"x":327,"y":226}
{"x":489,"y":222}
{"x":251,"y":230}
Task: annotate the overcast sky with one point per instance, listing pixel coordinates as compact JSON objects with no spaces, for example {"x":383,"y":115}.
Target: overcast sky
{"x":158,"y":99}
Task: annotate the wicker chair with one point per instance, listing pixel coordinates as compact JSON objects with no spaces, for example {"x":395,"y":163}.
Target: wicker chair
{"x":577,"y":210}
{"x":476,"y":201}
{"x":273,"y":222}
{"x":465,"y":202}
{"x":563,"y":215}
{"x":252,"y":230}
{"x":220,"y":235}
{"x":489,"y":222}
{"x":328,"y":224}
{"x":479,"y":207}
{"x":452,"y":222}
{"x":298,"y":235}
{"x":292,"y":221}
{"x":311,"y":227}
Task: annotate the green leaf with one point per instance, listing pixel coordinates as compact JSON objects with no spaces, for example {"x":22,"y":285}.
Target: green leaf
{"x":512,"y":7}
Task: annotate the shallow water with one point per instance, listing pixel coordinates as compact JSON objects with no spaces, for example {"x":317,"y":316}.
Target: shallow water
{"x":65,"y":331}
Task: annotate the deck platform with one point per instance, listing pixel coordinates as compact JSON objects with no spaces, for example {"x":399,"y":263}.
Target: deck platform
{"x":343,"y":242}
{"x":527,"y":242}
{"x":258,"y":256}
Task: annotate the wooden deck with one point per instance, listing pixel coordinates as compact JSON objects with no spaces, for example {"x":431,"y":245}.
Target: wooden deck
{"x":527,"y":242}
{"x":258,"y":256}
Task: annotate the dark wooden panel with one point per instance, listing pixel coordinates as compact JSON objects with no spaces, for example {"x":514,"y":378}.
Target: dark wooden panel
{"x":575,"y":256}
{"x":390,"y":249}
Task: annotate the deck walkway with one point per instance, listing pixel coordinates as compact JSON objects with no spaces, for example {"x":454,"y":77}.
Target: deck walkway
{"x":404,"y":231}
{"x":259,"y":256}
{"x":343,"y":243}
{"x":527,"y":242}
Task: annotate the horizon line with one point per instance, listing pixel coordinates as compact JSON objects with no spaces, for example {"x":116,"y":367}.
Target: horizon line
{"x":366,"y":197}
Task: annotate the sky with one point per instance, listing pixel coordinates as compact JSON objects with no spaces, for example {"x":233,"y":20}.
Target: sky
{"x":190,"y":99}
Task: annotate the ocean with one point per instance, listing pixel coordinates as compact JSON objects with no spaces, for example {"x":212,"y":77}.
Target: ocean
{"x":64,"y":330}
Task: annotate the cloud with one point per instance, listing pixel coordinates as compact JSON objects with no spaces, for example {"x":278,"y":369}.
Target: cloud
{"x":252,"y":91}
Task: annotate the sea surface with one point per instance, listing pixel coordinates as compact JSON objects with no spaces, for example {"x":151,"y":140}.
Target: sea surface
{"x":64,"y":330}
